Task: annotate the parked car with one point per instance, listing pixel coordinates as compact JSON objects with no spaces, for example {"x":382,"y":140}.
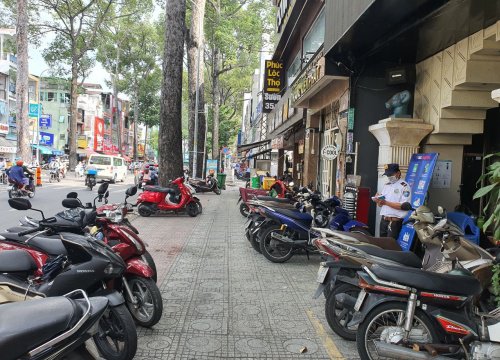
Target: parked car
{"x":109,"y":167}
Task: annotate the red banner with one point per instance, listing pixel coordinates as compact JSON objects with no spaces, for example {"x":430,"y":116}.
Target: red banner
{"x":98,"y":134}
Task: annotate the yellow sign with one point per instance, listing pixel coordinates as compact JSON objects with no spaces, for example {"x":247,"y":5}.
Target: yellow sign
{"x":273,"y":84}
{"x":82,"y":142}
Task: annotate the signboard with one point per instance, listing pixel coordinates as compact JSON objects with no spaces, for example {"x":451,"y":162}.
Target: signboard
{"x":419,"y":177}
{"x":4,"y":128}
{"x":441,"y":179}
{"x":211,"y":167}
{"x":98,"y":134}
{"x":314,"y":72}
{"x":350,"y":119}
{"x":33,"y":110}
{"x":277,"y":143}
{"x":45,"y":121}
{"x":8,"y":149}
{"x":46,"y":139}
{"x":329,"y":152}
{"x":82,"y":142}
{"x":273,"y":83}
{"x":284,"y":9}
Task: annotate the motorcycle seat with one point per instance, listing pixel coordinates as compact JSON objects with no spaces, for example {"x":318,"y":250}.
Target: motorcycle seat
{"x":270,"y":198}
{"x":50,"y":245}
{"x":27,"y":325}
{"x":430,"y":281}
{"x":406,"y":258}
{"x":16,"y":261}
{"x":386,"y":243}
{"x":297,"y":215}
{"x":159,"y":189}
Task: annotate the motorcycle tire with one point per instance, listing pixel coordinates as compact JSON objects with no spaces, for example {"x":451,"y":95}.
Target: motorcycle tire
{"x":244,"y":209}
{"x":266,"y":246}
{"x":217,"y":191}
{"x":337,"y":316}
{"x":255,"y":242}
{"x":50,"y":178}
{"x":192,"y":209}
{"x":31,"y":195}
{"x":200,"y":207}
{"x":147,"y":293}
{"x":58,"y":179}
{"x":151,"y":263}
{"x":382,"y":310}
{"x":116,"y":326}
{"x":144,"y":210}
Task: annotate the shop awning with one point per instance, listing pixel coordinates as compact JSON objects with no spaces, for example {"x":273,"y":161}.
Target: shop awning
{"x":44,"y":150}
{"x":247,"y":147}
{"x":57,"y":152}
{"x":259,"y":153}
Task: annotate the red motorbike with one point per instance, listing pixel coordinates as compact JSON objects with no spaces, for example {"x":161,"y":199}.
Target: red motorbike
{"x":157,"y":199}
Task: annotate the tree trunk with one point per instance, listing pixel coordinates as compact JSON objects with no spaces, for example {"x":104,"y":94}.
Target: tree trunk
{"x":74,"y":116}
{"x":145,"y":143}
{"x":170,"y":133}
{"x":194,"y":44}
{"x":216,"y":104}
{"x":136,"y":118}
{"x":117,"y":117}
{"x":23,"y":126}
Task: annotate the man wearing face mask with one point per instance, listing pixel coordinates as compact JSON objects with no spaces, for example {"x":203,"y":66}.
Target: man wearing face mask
{"x":394,"y":193}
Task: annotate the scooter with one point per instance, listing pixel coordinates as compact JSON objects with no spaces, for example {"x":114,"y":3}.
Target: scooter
{"x":54,"y":175}
{"x":90,"y":179}
{"x":52,"y":262}
{"x":156,"y":199}
{"x":51,"y":328}
{"x":208,"y":185}
{"x":14,"y":190}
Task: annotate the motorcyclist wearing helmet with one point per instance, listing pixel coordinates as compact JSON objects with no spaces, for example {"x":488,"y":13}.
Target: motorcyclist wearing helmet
{"x":16,"y":175}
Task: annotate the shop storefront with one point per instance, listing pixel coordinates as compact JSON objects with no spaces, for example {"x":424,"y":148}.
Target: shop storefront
{"x":8,"y":150}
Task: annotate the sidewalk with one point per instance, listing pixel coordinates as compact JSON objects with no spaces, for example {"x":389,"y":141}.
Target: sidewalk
{"x":223,"y":300}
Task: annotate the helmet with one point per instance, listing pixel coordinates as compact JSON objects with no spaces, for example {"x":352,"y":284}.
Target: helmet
{"x":424,"y":214}
{"x":19,"y":163}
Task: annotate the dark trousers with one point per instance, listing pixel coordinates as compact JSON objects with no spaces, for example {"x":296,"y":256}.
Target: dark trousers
{"x":390,"y":228}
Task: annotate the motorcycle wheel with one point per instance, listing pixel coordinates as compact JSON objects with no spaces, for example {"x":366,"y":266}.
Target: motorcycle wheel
{"x":10,"y":193}
{"x":383,"y":316}
{"x":192,"y":209}
{"x":200,"y":207}
{"x":117,"y":337}
{"x":151,"y":262}
{"x":244,"y":210}
{"x":337,"y":316}
{"x":58,"y":179}
{"x":144,"y":210}
{"x":255,"y":241}
{"x":50,"y":178}
{"x":149,"y":310}
{"x":217,"y":191}
{"x":274,"y":250}
{"x":31,"y":195}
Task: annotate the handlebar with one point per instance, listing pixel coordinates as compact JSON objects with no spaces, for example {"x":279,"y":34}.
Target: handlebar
{"x":30,"y":231}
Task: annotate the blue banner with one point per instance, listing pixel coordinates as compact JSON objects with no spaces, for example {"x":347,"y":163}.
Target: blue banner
{"x":211,"y":167}
{"x":45,"y":121}
{"x":419,"y":177}
{"x":46,"y":139}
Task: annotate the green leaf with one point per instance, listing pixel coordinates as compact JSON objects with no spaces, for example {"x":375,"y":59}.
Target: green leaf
{"x":490,"y":155}
{"x":483,"y":191}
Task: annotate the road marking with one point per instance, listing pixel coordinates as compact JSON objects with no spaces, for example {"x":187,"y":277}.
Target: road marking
{"x":328,"y":342}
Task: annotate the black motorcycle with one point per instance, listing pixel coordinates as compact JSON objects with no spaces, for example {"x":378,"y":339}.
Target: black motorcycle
{"x":75,"y":260}
{"x":91,"y":179}
{"x":14,"y":191}
{"x":208,"y":185}
{"x":54,"y":176}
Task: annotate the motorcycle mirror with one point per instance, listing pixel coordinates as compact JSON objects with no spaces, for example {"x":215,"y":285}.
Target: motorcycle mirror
{"x":71,"y":203}
{"x":20,"y":204}
{"x":131,"y":191}
{"x":103,"y":188}
{"x":72,"y":195}
{"x":406,"y":206}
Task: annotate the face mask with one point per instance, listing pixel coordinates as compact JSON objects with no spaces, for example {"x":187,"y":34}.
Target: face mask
{"x":392,"y":179}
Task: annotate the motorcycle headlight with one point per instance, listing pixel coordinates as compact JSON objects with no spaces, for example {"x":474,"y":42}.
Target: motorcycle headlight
{"x":137,"y":244}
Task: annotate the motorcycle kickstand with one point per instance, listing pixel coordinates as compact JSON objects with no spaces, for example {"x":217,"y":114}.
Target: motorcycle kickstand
{"x":307,"y":253}
{"x":131,"y":296}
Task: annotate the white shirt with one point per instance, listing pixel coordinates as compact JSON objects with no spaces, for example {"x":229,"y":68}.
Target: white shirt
{"x":399,"y":192}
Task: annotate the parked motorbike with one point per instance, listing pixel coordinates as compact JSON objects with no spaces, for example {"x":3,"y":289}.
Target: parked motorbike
{"x":157,"y":199}
{"x":51,"y":328}
{"x":54,"y":175}
{"x":14,"y":190}
{"x":91,"y":178}
{"x":52,"y":262}
{"x":208,"y":185}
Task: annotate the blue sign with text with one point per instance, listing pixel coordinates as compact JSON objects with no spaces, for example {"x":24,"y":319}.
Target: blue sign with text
{"x":45,"y":120}
{"x":419,"y":177}
{"x":211,"y":167}
{"x":33,"y":110}
{"x":46,"y":139}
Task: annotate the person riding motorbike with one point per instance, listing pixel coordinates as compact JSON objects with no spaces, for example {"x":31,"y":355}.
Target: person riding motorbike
{"x":17,"y":173}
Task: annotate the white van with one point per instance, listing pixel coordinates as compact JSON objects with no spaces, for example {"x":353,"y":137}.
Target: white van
{"x":109,"y":167}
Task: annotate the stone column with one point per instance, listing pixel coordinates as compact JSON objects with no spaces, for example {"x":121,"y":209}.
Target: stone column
{"x":311,"y":151}
{"x":399,"y":138}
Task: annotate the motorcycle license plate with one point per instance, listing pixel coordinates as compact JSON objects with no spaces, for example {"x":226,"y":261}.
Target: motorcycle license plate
{"x":322,"y":271}
{"x":359,"y":301}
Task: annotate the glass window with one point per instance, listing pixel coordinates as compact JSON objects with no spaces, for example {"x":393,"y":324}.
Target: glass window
{"x":43,"y":96}
{"x":314,"y":38}
{"x":64,"y":98}
{"x":293,"y":70}
{"x":51,"y":96}
{"x":100,"y":160}
{"x":117,"y":162}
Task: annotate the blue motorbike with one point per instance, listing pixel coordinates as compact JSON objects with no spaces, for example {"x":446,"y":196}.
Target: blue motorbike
{"x":286,"y":231}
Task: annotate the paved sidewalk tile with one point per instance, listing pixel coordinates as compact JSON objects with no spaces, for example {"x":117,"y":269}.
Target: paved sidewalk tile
{"x":223,"y":300}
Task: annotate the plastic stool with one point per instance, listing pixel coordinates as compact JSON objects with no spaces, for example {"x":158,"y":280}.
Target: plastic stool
{"x":465,"y":222}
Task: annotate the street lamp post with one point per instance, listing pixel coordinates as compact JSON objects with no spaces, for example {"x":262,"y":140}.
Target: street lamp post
{"x":38,"y":119}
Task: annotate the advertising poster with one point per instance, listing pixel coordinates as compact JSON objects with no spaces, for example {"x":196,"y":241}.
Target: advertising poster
{"x":45,"y":121}
{"x":273,"y":84}
{"x":46,"y":138}
{"x":211,"y":167}
{"x":98,"y":134}
{"x":419,"y":177}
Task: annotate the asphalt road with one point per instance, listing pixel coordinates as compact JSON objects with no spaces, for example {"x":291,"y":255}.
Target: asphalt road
{"x":49,"y":196}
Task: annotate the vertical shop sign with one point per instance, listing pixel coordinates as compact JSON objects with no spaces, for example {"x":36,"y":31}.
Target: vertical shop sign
{"x":419,"y":177}
{"x":273,"y":84}
{"x":98,"y":134}
{"x":350,"y":119}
